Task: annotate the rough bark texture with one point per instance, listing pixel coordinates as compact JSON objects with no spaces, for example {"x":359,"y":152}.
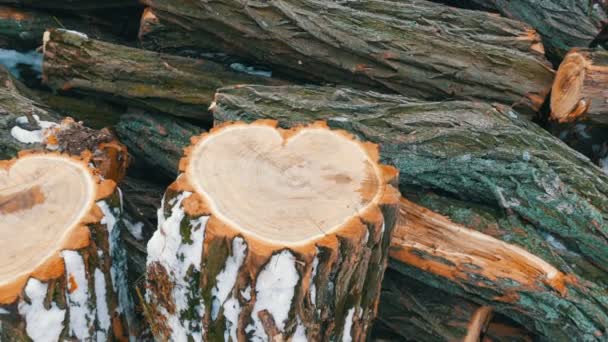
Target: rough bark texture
{"x":382,"y":44}
{"x":534,"y":191}
{"x":208,"y":281}
{"x":163,"y":83}
{"x":87,"y":297}
{"x":71,"y":5}
{"x":417,"y":311}
{"x":158,"y":140}
{"x":563,"y":24}
{"x":580,"y":90}
{"x":22,"y":29}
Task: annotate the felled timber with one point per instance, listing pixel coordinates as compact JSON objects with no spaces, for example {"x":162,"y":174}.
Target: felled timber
{"x":163,"y":83}
{"x":580,"y":90}
{"x":533,"y":192}
{"x":563,"y":24}
{"x":158,"y":140}
{"x":414,"y":310}
{"x":60,"y":245}
{"x":318,"y":211}
{"x":390,"y":46}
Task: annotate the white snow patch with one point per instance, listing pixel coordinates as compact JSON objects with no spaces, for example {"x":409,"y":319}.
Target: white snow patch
{"x":103,"y":313}
{"x":300,"y":334}
{"x":31,"y":137}
{"x":225,"y":280}
{"x":81,"y":315}
{"x":246,"y":293}
{"x":167,"y":248}
{"x":555,"y":243}
{"x":79,"y":34}
{"x":348,"y":325}
{"x":274,"y":288}
{"x":250,"y":70}
{"x":313,"y":286}
{"x":12,"y":58}
{"x":232,"y":308}
{"x":136,"y":229}
{"x":4,"y":311}
{"x":41,"y":325}
{"x":526,"y":156}
{"x":340,"y":119}
{"x":604,"y":164}
{"x":513,"y":114}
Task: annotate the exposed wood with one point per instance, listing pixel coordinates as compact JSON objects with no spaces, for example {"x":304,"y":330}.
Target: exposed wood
{"x":416,"y":311}
{"x":71,"y":5}
{"x":22,"y":29}
{"x":168,"y":84}
{"x":298,"y":253}
{"x":563,"y":24}
{"x":385,"y":45}
{"x":55,"y":282}
{"x":536,"y":192}
{"x":580,"y":90}
{"x":158,"y":140}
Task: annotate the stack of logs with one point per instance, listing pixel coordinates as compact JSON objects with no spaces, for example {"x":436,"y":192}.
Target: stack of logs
{"x":304,"y":170}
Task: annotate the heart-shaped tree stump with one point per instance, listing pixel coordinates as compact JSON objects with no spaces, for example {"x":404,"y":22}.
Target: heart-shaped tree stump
{"x":272,"y":234}
{"x":62,"y":268}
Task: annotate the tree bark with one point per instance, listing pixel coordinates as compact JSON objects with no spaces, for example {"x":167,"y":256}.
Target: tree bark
{"x":580,"y":90}
{"x":162,"y":83}
{"x":536,"y":193}
{"x":416,"y":311}
{"x":79,"y":291}
{"x":381,"y":44}
{"x":208,"y":279}
{"x":25,"y":123}
{"x":22,"y":29}
{"x":563,"y":24}
{"x":158,"y":140}
{"x":71,"y":5}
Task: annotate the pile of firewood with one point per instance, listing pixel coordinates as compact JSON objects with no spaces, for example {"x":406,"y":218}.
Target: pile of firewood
{"x":304,"y":170}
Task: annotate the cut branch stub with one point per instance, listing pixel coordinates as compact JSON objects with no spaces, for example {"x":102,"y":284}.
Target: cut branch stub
{"x":580,"y":89}
{"x":57,"y":222}
{"x":272,"y":233}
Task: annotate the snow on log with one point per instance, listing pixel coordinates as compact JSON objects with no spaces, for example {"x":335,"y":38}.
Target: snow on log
{"x":580,"y":90}
{"x":163,"y":83}
{"x":418,"y":49}
{"x":492,"y":171}
{"x":293,"y":249}
{"x":62,"y":264}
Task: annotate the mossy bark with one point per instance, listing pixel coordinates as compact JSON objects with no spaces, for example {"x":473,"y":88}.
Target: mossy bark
{"x":163,"y":83}
{"x":380,"y":44}
{"x":98,"y":309}
{"x":535,"y":191}
{"x":71,"y":5}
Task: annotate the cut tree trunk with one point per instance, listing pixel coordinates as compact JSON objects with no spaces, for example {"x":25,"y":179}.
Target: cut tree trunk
{"x":65,"y":281}
{"x":381,"y":44}
{"x":158,"y":140}
{"x":168,"y":84}
{"x":580,"y":90}
{"x":414,"y":310}
{"x":537,"y":194}
{"x":563,"y":24}
{"x":25,"y":123}
{"x":310,"y":263}
{"x":22,"y":29}
{"x":71,"y":5}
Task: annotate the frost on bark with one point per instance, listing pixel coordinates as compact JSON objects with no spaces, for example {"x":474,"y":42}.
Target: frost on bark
{"x":306,"y":267}
{"x":491,"y":171}
{"x":62,"y":282}
{"x":380,"y":44}
{"x":580,"y":90}
{"x":167,"y":84}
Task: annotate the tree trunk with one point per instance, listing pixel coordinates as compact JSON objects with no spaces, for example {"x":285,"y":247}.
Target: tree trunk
{"x":24,"y":123}
{"x":22,"y":29}
{"x":158,"y":140}
{"x":313,"y":273}
{"x":163,"y":83}
{"x":414,"y":310}
{"x":501,"y":329}
{"x":381,"y":44}
{"x":66,"y":281}
{"x":536,"y":193}
{"x":71,"y":5}
{"x":580,"y":90}
{"x":563,"y":24}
